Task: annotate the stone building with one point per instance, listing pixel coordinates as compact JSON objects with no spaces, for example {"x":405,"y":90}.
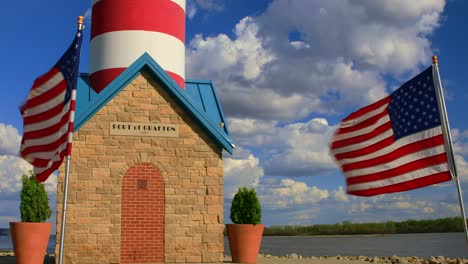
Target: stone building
{"x":146,"y":179}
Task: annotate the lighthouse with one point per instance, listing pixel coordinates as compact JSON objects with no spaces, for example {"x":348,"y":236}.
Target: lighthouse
{"x":123,"y":30}
{"x":146,"y":184}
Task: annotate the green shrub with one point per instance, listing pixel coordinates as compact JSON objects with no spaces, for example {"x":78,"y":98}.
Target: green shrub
{"x":245,"y":208}
{"x":34,"y":205}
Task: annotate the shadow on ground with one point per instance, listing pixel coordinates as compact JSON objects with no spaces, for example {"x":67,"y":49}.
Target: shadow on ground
{"x":12,"y":260}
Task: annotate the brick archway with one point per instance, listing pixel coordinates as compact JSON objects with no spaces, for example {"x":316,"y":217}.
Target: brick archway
{"x":142,"y":215}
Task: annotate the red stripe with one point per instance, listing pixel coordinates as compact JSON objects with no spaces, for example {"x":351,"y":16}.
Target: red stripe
{"x":37,"y":83}
{"x":47,"y":131}
{"x":367,"y":150}
{"x":69,"y":148}
{"x":158,"y":16}
{"x":400,"y":152}
{"x":40,"y":162}
{"x":368,"y":108}
{"x":45,"y":78}
{"x":47,"y":96}
{"x":364,"y":137}
{"x":100,"y":79}
{"x":44,"y":115}
{"x":406,"y":168}
{"x":368,"y":122}
{"x":45,"y":148}
{"x":41,"y":177}
{"x":178,"y":79}
{"x":72,"y":105}
{"x":405,"y":186}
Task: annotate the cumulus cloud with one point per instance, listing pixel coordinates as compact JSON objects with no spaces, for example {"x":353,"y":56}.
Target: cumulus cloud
{"x":263,"y":74}
{"x":297,"y":149}
{"x":9,"y":140}
{"x":340,"y":195}
{"x":12,"y":167}
{"x":303,"y":150}
{"x":287,"y":193}
{"x":241,"y":170}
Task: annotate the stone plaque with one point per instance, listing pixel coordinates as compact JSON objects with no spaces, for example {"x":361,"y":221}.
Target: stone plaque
{"x":143,"y":129}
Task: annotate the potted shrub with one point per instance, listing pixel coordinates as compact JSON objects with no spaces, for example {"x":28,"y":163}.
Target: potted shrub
{"x":245,"y":235}
{"x":31,"y":235}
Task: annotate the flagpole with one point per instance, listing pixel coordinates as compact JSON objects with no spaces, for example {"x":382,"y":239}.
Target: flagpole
{"x":448,"y":138}
{"x":67,"y":167}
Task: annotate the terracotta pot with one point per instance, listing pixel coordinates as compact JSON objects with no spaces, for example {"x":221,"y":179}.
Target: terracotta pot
{"x":30,"y":241}
{"x":244,"y":242}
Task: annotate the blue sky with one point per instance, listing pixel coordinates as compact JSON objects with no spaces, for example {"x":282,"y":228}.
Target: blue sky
{"x":286,"y":72}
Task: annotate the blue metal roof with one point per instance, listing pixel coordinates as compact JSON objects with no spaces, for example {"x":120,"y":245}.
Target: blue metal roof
{"x":198,"y":99}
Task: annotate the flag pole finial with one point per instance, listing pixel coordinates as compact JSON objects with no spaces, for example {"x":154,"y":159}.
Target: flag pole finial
{"x":435,"y":59}
{"x":80,"y":20}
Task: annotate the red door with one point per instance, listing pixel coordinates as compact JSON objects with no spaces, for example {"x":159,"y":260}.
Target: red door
{"x":142,"y":215}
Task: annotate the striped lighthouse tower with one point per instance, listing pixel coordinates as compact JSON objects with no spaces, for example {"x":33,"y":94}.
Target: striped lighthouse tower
{"x":122,"y":30}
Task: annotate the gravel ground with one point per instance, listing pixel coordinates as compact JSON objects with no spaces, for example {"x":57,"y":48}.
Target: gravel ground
{"x":8,"y":258}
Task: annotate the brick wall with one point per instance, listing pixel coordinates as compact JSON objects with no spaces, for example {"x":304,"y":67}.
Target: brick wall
{"x":142,"y":233}
{"x":190,"y":167}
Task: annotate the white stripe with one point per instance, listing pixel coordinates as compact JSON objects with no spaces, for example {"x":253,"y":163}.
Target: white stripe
{"x":47,"y":123}
{"x":399,"y":179}
{"x":72,"y":116}
{"x":363,"y":131}
{"x":364,"y":144}
{"x":56,"y":157}
{"x":396,"y":163}
{"x":45,"y":140}
{"x":119,"y":49}
{"x":46,"y":106}
{"x":49,"y":154}
{"x":51,"y":83}
{"x":364,"y":117}
{"x":398,"y":144}
{"x":70,"y":138}
{"x":181,"y":3}
{"x":73,"y":95}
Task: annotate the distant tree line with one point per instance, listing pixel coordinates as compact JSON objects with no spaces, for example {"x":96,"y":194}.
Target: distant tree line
{"x":453,"y":224}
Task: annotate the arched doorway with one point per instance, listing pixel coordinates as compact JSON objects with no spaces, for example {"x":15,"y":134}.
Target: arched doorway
{"x":142,"y":215}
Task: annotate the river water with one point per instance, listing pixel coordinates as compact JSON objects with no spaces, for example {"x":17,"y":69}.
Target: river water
{"x":419,"y":245}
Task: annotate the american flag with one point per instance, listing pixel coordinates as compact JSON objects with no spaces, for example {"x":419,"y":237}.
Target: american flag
{"x":395,"y":144}
{"x":49,"y":112}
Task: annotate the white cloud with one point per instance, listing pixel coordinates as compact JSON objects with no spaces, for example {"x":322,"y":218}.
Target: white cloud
{"x":428,"y":210}
{"x":299,"y":45}
{"x":9,"y":140}
{"x":297,"y":149}
{"x":252,"y":132}
{"x":220,"y":55}
{"x":241,"y":170}
{"x":460,"y":148}
{"x":193,"y":6}
{"x":262,"y":74}
{"x":301,"y":149}
{"x":11,"y":170}
{"x":340,"y":195}
{"x":13,"y":167}
{"x":288,"y":193}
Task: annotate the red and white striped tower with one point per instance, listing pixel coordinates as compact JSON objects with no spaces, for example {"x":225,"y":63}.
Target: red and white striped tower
{"x":122,"y":30}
